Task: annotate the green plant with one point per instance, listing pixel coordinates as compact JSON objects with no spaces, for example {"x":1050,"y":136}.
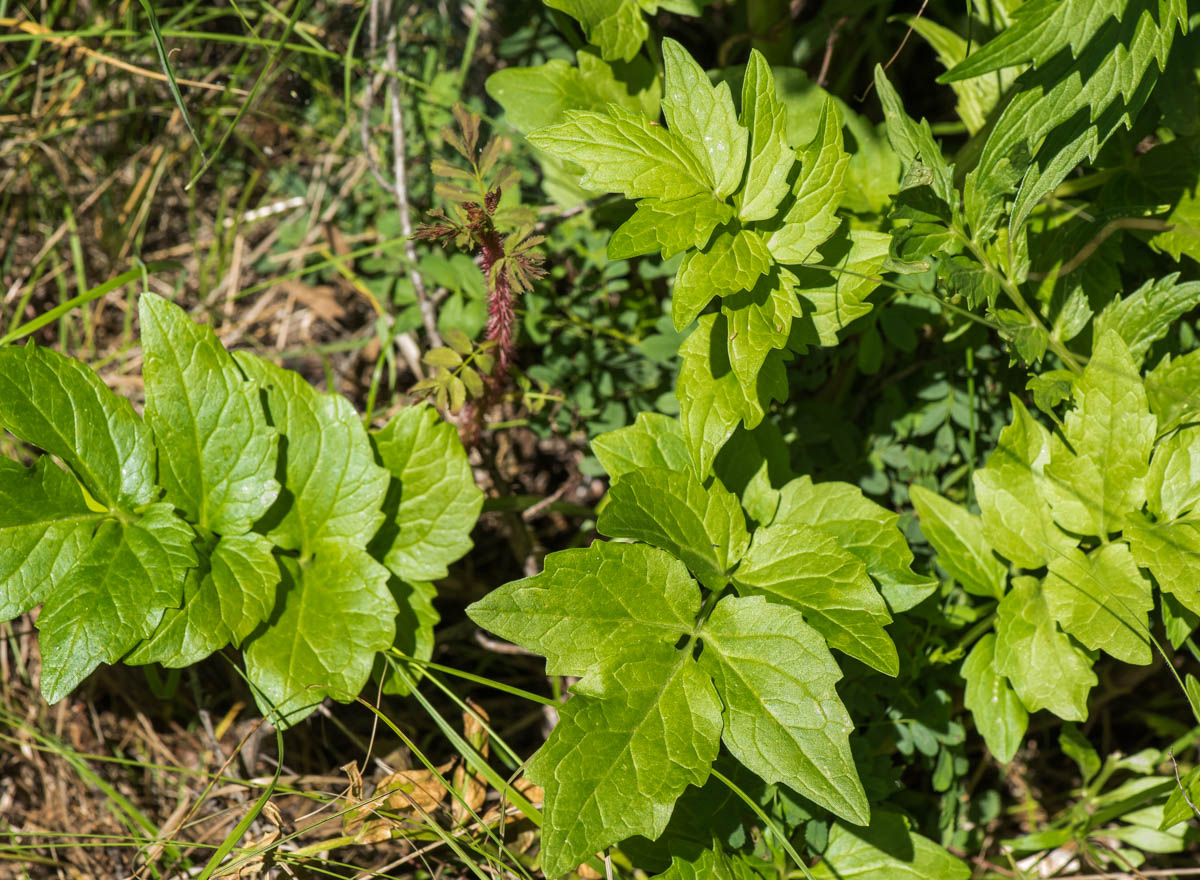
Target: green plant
{"x":245,"y":509}
{"x":709,"y":639}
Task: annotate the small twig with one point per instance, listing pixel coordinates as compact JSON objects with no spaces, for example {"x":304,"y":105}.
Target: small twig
{"x":829,"y":41}
{"x":535,"y":511}
{"x":1147,"y":225}
{"x":1179,"y":782}
{"x":899,"y":49}
{"x":498,"y":647}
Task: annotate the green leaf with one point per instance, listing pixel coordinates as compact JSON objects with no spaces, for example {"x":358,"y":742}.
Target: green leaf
{"x":1012,"y":494}
{"x":672,"y":510}
{"x":334,"y":489}
{"x":1046,"y":669}
{"x":1173,"y":482}
{"x":1076,"y":747}
{"x":216,"y":453}
{"x":862,"y":527}
{"x":616,"y":26}
{"x":765,"y":117}
{"x":700,"y":864}
{"x":999,"y":716}
{"x":439,"y":501}
{"x":45,"y":526}
{"x":887,"y":849}
{"x":760,"y":321}
{"x":1102,"y":600}
{"x":113,"y":597}
{"x":958,"y":538}
{"x":798,"y":565}
{"x":976,"y":96}
{"x":59,"y":405}
{"x":783,"y":717}
{"x":1177,"y":808}
{"x":222,"y":604}
{"x":1111,"y":431}
{"x":812,"y":218}
{"x":703,"y":115}
{"x":534,"y":97}
{"x":711,"y":399}
{"x":914,"y":142}
{"x":336,"y":613}
{"x":652,"y":441}
{"x":1148,"y":313}
{"x":625,"y":152}
{"x":668,"y":227}
{"x":589,"y":605}
{"x":733,"y":262}
{"x":836,"y":296}
{"x":754,"y":465}
{"x":1173,"y":388}
{"x":1171,"y":551}
{"x":659,"y":733}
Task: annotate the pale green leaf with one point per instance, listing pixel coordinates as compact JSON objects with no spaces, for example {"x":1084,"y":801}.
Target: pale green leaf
{"x":334,"y":488}
{"x":833,"y":298}
{"x":1045,"y":668}
{"x":61,"y":406}
{"x":886,"y":850}
{"x":1173,"y":483}
{"x":913,"y":142}
{"x":1102,"y":600}
{"x":668,"y":227}
{"x":216,"y":452}
{"x":113,"y":597}
{"x":703,"y":115}
{"x":653,"y":440}
{"x":1173,"y":388}
{"x":336,"y":612}
{"x":702,"y":864}
{"x":765,"y":117}
{"x":976,"y":96}
{"x":712,"y":401}
{"x":812,"y":217}
{"x":999,"y":716}
{"x":869,"y":531}
{"x":1012,"y":494}
{"x":1111,"y":431}
{"x":588,"y":605}
{"x":799,"y":565}
{"x":45,"y":526}
{"x":657,"y":733}
{"x":1148,"y":313}
{"x":1171,"y":552}
{"x":625,"y":152}
{"x":672,"y":510}
{"x":760,"y":321}
{"x":615,"y":26}
{"x":534,"y":97}
{"x":439,"y":501}
{"x":733,"y":262}
{"x":957,"y":535}
{"x":783,"y":717}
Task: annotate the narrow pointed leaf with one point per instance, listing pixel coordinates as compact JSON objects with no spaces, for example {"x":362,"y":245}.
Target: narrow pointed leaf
{"x":765,"y":117}
{"x":957,"y":535}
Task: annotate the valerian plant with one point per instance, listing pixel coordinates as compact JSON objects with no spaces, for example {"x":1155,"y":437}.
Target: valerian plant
{"x":708,"y":628}
{"x":244,"y":508}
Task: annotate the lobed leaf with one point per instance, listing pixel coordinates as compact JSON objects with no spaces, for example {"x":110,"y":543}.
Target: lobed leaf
{"x":59,"y":405}
{"x":1173,"y":482}
{"x":1171,"y":552}
{"x":439,"y":501}
{"x":657,"y":733}
{"x":770,"y":158}
{"x":760,"y":321}
{"x":652,"y":441}
{"x":703,"y":115}
{"x":590,"y":605}
{"x":701,"y":525}
{"x":1046,"y":669}
{"x":615,"y":26}
{"x":957,"y":535}
{"x":625,"y":152}
{"x":798,"y":565}
{"x":783,"y":717}
{"x":216,"y":452}
{"x":886,"y":849}
{"x":669,"y":227}
{"x":335,"y":614}
{"x":733,"y":262}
